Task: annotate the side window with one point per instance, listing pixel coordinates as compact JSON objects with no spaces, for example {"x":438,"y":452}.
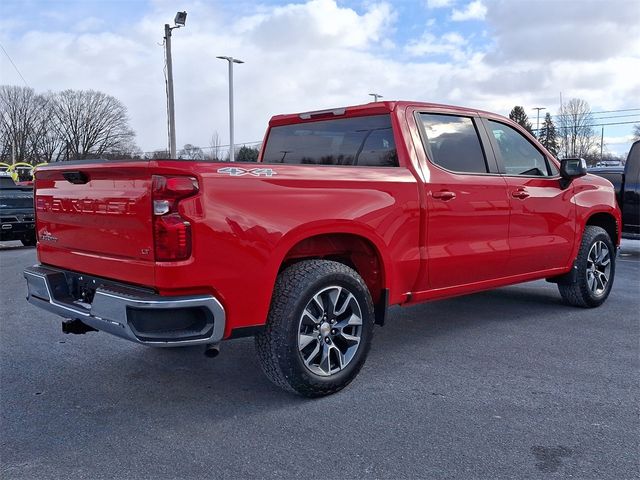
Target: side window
{"x":519,"y":156}
{"x":453,"y":143}
{"x":362,"y":141}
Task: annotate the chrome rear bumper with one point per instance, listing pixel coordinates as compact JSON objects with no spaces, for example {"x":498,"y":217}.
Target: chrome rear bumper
{"x":129,"y":312}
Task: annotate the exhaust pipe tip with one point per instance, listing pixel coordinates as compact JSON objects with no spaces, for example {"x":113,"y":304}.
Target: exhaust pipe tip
{"x":212,"y":350}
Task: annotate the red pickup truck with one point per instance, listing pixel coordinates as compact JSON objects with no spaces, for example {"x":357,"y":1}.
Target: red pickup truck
{"x":347,"y":212}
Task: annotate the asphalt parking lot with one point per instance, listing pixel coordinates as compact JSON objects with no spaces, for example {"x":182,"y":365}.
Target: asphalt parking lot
{"x":503,"y":384}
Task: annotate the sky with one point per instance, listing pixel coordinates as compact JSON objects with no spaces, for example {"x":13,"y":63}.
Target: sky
{"x":317,"y":54}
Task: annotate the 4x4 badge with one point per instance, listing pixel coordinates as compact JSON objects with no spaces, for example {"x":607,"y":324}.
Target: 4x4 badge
{"x":239,"y":171}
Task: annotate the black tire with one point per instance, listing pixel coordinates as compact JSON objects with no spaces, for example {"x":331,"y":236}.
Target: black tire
{"x":581,"y":293}
{"x":278,"y":347}
{"x":29,"y":242}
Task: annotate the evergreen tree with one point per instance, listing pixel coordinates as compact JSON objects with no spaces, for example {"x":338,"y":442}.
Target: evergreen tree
{"x":247,"y":154}
{"x":548,"y":135}
{"x":519,"y":116}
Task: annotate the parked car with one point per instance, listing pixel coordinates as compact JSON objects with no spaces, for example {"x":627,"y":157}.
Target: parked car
{"x":347,"y":212}
{"x":16,"y":212}
{"x":626,"y":181}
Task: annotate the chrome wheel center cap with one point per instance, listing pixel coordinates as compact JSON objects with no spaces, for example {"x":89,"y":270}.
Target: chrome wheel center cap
{"x":325,"y":329}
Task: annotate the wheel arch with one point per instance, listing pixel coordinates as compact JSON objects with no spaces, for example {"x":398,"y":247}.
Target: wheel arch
{"x":354,"y":250}
{"x":607,"y":222}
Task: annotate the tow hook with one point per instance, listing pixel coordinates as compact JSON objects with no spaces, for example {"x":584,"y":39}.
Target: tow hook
{"x":76,"y":327}
{"x":213,"y":350}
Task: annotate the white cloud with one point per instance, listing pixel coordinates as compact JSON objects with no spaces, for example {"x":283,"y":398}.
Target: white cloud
{"x":473,"y":11}
{"x":319,"y":54}
{"x":88,"y":24}
{"x":439,"y":3}
{"x":451,"y":44}
{"x":318,"y":24}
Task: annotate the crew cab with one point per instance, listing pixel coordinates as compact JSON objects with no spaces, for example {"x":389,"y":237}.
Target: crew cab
{"x":348,"y":211}
{"x":626,"y":182}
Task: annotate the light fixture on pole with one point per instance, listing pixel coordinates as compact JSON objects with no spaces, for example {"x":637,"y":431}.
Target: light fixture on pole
{"x":375,"y":96}
{"x":231,"y":61}
{"x":179,"y":21}
{"x":538,"y":122}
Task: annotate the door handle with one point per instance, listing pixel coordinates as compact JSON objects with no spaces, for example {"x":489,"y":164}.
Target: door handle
{"x":443,"y":195}
{"x":521,"y":194}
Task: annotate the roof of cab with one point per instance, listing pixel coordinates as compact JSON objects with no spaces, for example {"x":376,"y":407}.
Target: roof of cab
{"x":373,"y":108}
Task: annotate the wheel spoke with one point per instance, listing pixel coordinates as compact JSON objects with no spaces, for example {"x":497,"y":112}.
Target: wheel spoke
{"x":309,"y":318}
{"x":351,"y":339}
{"x":602,"y":254}
{"x":339,"y":356}
{"x":346,"y":304}
{"x":304,"y":340}
{"x":602,"y":277}
{"x":352,"y":321}
{"x":313,"y":354}
{"x":317,"y":299}
{"x":591,"y":281}
{"x":325,"y":360}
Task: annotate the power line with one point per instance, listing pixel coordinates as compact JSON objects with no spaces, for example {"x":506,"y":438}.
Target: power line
{"x":616,"y":123}
{"x":615,"y":111}
{"x":598,"y":113}
{"x":14,"y":65}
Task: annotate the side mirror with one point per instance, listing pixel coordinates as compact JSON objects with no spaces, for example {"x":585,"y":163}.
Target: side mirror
{"x":571,"y":168}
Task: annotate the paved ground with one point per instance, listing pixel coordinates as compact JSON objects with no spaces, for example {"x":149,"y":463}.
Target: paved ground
{"x":503,"y":384}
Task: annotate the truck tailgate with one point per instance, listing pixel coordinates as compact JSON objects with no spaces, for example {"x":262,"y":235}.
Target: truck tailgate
{"x":92,"y":214}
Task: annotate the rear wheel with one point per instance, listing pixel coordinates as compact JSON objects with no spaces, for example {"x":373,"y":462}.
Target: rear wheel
{"x":596,"y":266}
{"x":319,"y":328}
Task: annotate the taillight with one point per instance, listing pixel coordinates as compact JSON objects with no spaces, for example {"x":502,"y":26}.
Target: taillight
{"x":171,"y":232}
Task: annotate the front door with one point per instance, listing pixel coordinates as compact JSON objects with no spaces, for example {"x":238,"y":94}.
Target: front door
{"x":542,"y":223}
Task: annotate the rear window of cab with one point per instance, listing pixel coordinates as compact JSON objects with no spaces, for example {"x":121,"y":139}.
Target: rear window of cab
{"x":358,"y":141}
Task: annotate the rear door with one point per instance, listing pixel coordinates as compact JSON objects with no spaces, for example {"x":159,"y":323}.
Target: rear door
{"x":542,"y":223}
{"x":468,"y":209}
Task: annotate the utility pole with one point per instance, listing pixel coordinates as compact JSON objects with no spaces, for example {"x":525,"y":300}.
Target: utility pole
{"x":538,"y":123}
{"x":179,"y":21}
{"x":375,"y":96}
{"x":231,"y":61}
{"x":601,"y":141}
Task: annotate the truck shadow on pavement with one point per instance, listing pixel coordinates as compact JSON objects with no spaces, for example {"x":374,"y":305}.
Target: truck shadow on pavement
{"x":119,"y":376}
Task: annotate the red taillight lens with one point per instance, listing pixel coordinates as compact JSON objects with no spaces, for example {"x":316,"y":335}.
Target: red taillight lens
{"x":171,"y":232}
{"x":172,"y":235}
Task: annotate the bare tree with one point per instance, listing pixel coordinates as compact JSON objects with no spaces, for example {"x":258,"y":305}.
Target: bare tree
{"x":215,"y":143}
{"x":46,"y":144}
{"x":18,"y":112}
{"x":191,"y":152}
{"x":91,"y":123}
{"x":157,"y":155}
{"x":636,"y":132}
{"x":575,"y":122}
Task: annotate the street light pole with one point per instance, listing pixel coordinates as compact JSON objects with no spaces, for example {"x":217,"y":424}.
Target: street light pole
{"x":170,"y":102}
{"x":538,"y":122}
{"x":231,"y":61}
{"x":179,"y":21}
{"x":375,"y":96}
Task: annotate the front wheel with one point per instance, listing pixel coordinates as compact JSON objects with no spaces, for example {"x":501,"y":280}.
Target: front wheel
{"x":596,"y":267}
{"x":319,"y":328}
